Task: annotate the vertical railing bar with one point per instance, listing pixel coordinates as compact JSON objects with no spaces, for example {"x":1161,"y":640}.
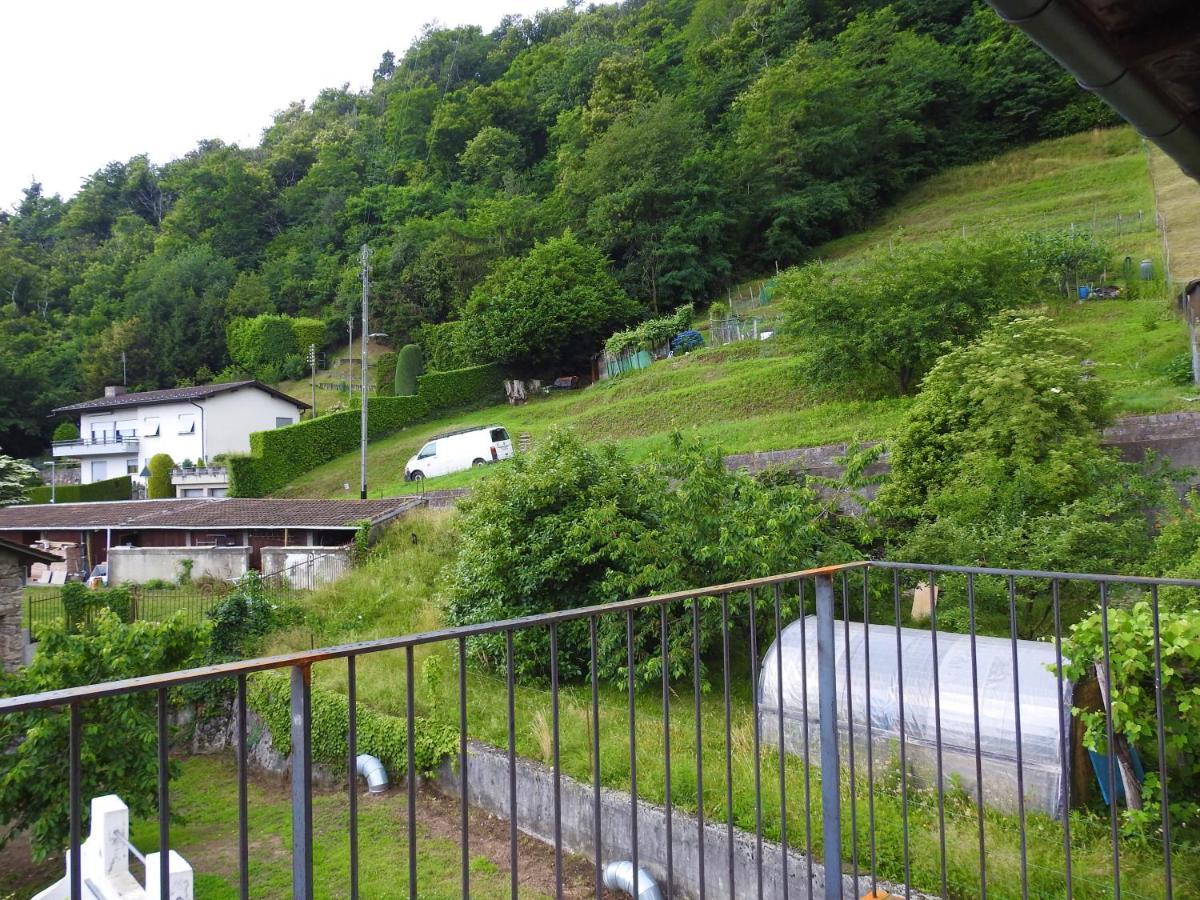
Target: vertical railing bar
{"x":783,"y":838}
{"x":870,"y":737}
{"x":728,"y":739}
{"x":937,"y":731}
{"x":1162,"y":744}
{"x":556,"y":761}
{"x":808,"y":846}
{"x":411,"y":770}
{"x":903,"y":752}
{"x":243,"y":794}
{"x":75,"y":777}
{"x":1064,"y":733}
{"x":464,"y":837}
{"x":699,"y":742}
{"x":978,"y":739}
{"x":666,"y":709}
{"x":757,"y":737}
{"x":850,"y":732}
{"x":164,"y":800}
{"x":512,"y":765}
{"x":1012,"y":619}
{"x":1111,"y":745}
{"x":302,"y":822}
{"x":633,"y":791}
{"x":597,"y":836}
{"x":831,"y":813}
{"x":352,"y":765}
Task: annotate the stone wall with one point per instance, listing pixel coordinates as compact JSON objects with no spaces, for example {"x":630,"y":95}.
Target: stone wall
{"x":12,"y":637}
{"x":137,"y":565}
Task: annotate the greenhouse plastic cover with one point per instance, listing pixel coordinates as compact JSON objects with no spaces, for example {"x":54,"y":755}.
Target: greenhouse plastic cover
{"x":1045,"y":779}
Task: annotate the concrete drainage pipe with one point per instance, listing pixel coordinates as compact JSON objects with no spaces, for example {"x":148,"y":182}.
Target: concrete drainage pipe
{"x":619,"y":877}
{"x":370,"y":768}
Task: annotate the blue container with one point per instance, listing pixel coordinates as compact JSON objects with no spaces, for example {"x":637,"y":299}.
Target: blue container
{"x":1085,"y":291}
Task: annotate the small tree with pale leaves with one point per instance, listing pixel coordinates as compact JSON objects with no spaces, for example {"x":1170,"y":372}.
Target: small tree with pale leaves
{"x":15,"y":477}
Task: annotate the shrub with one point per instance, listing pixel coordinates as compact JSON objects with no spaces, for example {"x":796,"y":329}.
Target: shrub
{"x":158,"y":584}
{"x":308,"y":331}
{"x":571,"y":525}
{"x":1179,"y":369}
{"x":66,"y":431}
{"x":119,"y":733}
{"x":263,"y":341}
{"x":444,"y":348}
{"x":378,"y":734}
{"x":687,"y":341}
{"x":651,"y":334}
{"x":81,"y":603}
{"x":158,"y":485}
{"x":408,"y":369}
{"x":282,"y":454}
{"x":120,"y":488}
{"x":385,"y":375}
{"x":460,"y":387}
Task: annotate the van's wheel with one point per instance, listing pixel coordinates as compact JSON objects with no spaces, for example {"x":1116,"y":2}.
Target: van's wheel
{"x":418,"y":475}
{"x":478,"y":462}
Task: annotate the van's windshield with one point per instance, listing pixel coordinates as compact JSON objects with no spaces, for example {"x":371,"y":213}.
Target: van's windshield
{"x":428,"y":450}
{"x":498,"y":435}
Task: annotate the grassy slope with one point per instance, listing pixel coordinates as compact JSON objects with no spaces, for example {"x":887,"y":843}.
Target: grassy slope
{"x":747,"y":397}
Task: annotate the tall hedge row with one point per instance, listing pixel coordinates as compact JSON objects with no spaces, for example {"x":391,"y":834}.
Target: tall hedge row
{"x":308,"y":331}
{"x":120,"y":488}
{"x":278,"y":456}
{"x":461,"y":387}
{"x":444,"y":346}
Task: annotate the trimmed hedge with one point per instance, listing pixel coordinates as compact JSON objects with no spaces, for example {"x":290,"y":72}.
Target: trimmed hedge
{"x":278,"y":456}
{"x":461,"y":387}
{"x":309,"y":331}
{"x":378,"y":734}
{"x":409,"y":368}
{"x":120,"y":488}
{"x":444,"y":347}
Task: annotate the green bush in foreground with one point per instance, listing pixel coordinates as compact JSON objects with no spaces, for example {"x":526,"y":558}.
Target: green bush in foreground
{"x":158,"y":485}
{"x":380,"y":735}
{"x":408,"y":367}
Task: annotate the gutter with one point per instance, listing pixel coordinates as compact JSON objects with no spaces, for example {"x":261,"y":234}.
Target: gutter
{"x":1082,"y":51}
{"x":203,"y":431}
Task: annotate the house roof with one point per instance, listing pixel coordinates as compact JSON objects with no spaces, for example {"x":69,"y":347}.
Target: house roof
{"x":1142,"y":57}
{"x":203,"y":512}
{"x":172,"y":395}
{"x":29,"y":554}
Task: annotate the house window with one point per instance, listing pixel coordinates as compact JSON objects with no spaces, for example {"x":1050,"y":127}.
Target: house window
{"x":127,"y":429}
{"x":193,"y":492}
{"x":102,"y":432}
{"x":152,"y":428}
{"x":280,"y":421}
{"x":131,"y":466}
{"x":187,"y":423}
{"x":99,"y":469}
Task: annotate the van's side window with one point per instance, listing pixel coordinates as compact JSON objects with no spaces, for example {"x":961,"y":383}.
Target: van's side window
{"x":498,"y":435}
{"x":428,"y":450}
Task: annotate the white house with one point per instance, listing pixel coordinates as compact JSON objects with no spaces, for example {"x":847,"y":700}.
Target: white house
{"x":120,"y":432}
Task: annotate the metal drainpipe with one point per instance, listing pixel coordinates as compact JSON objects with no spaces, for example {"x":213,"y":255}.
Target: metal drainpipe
{"x":203,"y":431}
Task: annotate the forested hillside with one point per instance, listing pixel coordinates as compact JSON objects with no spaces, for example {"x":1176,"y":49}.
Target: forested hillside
{"x":660,"y":150}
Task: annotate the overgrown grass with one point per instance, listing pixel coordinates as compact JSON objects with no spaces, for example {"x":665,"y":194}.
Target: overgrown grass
{"x":397,"y":590}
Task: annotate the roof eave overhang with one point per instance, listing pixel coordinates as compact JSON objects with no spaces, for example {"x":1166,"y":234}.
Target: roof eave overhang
{"x":1080,"y":48}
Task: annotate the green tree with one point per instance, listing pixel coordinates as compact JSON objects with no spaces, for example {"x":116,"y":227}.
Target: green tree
{"x":876,"y":327}
{"x":158,"y":486}
{"x":66,"y":431}
{"x":408,"y":367}
{"x":119,"y":733}
{"x":15,"y":478}
{"x":548,"y":309}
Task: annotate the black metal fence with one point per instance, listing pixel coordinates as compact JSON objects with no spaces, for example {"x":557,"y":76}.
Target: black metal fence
{"x":194,"y":598}
{"x":862,"y":802}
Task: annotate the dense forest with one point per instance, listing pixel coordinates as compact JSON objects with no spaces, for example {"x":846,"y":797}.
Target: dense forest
{"x":684,"y":143}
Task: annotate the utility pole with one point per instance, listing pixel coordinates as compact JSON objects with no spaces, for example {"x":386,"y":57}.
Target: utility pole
{"x":124,"y":373}
{"x":350,"y":357}
{"x":312,"y":363}
{"x":362,"y":382}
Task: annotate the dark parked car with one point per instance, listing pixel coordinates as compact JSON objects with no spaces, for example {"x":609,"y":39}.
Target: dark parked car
{"x":566,"y":383}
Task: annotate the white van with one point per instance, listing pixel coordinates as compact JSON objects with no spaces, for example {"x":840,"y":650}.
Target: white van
{"x":458,"y":450}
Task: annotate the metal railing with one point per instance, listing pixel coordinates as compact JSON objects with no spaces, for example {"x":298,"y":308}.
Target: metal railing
{"x":865,"y":594}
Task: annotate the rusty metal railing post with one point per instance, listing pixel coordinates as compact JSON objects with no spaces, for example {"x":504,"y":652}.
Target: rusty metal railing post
{"x":302,"y":864}
{"x":831,"y":799}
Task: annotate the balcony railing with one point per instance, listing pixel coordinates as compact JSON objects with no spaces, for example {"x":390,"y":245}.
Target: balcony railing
{"x":842,"y":740}
{"x":207,"y":473}
{"x":97,"y":446}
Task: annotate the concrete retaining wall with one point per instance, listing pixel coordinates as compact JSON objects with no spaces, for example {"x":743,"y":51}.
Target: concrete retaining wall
{"x":136,"y":565}
{"x":305,"y":567}
{"x":487,"y":789}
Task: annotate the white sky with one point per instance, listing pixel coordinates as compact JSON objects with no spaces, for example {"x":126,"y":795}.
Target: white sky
{"x":85,"y":82}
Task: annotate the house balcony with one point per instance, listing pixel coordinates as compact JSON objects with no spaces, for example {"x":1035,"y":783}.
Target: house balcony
{"x":200,"y":481}
{"x":106,"y":446}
